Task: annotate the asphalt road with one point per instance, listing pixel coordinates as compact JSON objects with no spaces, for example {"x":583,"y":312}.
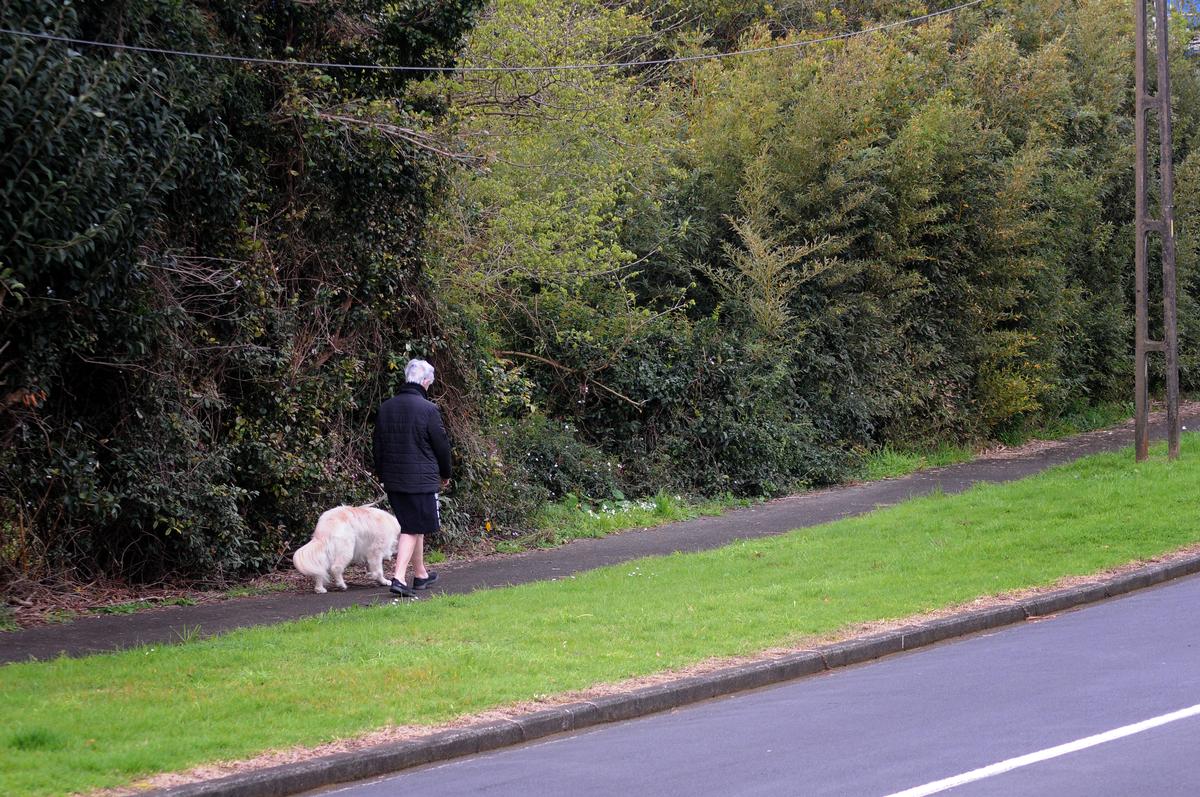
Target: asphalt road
{"x":1061,"y":705}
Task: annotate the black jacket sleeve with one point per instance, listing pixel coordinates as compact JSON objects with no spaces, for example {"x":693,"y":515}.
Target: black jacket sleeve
{"x":440,"y":443}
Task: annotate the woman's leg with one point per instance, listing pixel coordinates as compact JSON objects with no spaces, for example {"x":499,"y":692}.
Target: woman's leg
{"x":404,"y":553}
{"x":418,"y":557}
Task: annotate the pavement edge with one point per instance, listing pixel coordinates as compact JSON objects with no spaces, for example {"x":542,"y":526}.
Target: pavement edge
{"x":290,"y":779}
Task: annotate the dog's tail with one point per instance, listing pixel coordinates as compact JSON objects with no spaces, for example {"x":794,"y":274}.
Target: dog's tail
{"x":307,"y":559}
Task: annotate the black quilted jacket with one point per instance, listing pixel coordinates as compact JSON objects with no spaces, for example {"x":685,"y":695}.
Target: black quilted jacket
{"x":412,"y":452}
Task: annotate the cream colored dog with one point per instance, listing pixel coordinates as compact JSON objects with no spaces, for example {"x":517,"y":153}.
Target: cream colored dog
{"x":347,"y":535}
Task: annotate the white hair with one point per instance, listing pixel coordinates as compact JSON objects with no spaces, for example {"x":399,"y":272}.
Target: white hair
{"x":418,"y":371}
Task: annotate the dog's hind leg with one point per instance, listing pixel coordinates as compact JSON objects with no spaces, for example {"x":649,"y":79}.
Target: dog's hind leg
{"x":375,"y":568}
{"x":336,"y":575}
{"x":309,"y":560}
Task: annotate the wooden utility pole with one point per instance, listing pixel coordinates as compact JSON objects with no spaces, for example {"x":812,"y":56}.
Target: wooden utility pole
{"x":1164,"y":226}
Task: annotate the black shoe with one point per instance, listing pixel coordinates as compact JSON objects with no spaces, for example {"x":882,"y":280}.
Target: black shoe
{"x":423,"y":583}
{"x":400,"y":588}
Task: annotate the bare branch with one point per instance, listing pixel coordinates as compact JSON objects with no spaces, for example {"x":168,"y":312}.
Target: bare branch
{"x":567,"y":369}
{"x":414,"y":137}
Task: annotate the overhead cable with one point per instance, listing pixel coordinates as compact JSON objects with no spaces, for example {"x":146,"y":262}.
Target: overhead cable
{"x":494,"y":69}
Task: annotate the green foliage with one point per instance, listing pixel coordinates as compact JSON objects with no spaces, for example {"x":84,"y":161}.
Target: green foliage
{"x":255,"y":591}
{"x":572,"y":518}
{"x":554,"y":461}
{"x":212,"y":269}
{"x":132,"y":607}
{"x":918,"y":236}
{"x":1071,"y":420}
{"x":765,"y":274}
{"x":967,"y":178}
{"x":889,"y":462}
{"x":715,"y":419}
{"x":720,"y":276}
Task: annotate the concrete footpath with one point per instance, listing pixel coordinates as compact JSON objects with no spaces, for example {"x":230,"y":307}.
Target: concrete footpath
{"x":103,"y":633}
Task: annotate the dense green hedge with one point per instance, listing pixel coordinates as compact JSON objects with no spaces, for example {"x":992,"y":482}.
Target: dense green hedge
{"x":920,"y":236}
{"x":717,"y":276}
{"x":209,"y":279}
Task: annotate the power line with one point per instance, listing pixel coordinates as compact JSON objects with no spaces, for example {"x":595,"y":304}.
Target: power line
{"x":494,"y":69}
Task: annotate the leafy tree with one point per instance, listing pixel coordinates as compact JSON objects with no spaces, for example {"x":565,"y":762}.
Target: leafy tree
{"x":217,"y":271}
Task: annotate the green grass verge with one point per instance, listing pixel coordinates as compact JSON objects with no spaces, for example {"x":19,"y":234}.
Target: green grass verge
{"x":1084,"y":418}
{"x":132,"y":607}
{"x":77,"y":724}
{"x":254,"y":591}
{"x":574,"y":518}
{"x":889,"y":462}
{"x":892,"y":461}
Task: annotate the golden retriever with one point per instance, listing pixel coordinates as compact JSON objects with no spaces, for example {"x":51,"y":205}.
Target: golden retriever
{"x":347,"y":535}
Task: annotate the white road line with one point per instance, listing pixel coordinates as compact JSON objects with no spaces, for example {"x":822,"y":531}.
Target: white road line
{"x":1044,"y":755}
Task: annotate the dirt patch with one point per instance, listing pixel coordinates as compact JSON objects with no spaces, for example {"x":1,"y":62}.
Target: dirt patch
{"x":51,"y":601}
{"x":408,"y":733}
{"x":33,"y":603}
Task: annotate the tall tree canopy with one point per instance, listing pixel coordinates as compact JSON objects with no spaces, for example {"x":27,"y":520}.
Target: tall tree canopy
{"x":735,"y":274}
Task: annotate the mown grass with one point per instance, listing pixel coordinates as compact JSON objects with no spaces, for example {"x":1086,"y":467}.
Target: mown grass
{"x":1084,"y":418}
{"x":574,"y":518}
{"x":71,"y":725}
{"x":253,"y":590}
{"x":892,"y":461}
{"x":132,"y":607}
{"x":889,"y":462}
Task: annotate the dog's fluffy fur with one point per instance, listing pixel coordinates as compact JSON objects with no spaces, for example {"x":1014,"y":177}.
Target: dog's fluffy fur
{"x":344,"y":536}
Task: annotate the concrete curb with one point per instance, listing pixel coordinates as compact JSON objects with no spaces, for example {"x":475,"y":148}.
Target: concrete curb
{"x":388,"y":759}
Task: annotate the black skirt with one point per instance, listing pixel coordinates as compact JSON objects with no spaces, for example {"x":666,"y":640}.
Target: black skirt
{"x":417,"y":512}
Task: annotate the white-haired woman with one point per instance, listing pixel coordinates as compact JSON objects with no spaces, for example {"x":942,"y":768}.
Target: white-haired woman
{"x":412,"y":459}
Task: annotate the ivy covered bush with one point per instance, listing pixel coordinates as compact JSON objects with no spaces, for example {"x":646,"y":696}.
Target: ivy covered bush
{"x":210,"y":275}
{"x":716,"y":276}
